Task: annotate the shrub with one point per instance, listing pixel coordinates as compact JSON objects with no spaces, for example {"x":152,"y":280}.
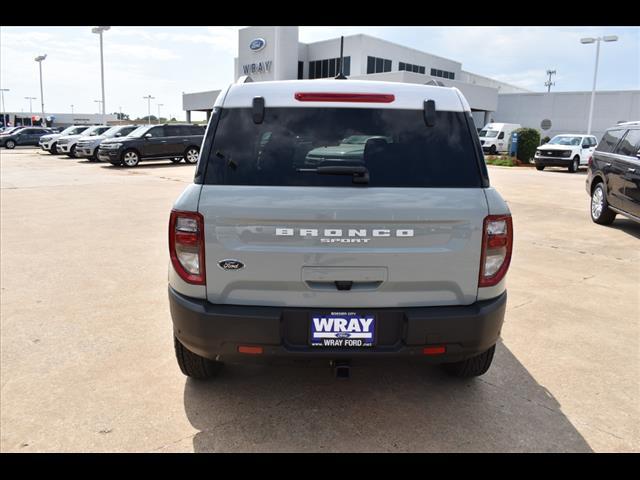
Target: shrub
{"x":528,"y":141}
{"x":502,"y":161}
{"x":544,"y":140}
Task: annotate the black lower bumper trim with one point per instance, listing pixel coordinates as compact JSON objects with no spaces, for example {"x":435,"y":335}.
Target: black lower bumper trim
{"x":215,"y":331}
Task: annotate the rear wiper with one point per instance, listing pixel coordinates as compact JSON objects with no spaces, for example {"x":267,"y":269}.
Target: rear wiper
{"x":360,"y":174}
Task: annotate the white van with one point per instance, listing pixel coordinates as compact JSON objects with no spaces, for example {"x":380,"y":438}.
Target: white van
{"x":494,"y":137}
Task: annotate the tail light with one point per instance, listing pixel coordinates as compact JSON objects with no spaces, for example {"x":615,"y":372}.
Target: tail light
{"x":186,"y":245}
{"x":590,"y":160}
{"x":497,"y":244}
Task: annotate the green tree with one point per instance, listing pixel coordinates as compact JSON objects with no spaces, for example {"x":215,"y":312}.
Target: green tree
{"x":528,"y":141}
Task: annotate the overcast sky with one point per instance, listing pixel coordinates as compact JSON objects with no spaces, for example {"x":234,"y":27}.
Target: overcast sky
{"x":166,"y":61}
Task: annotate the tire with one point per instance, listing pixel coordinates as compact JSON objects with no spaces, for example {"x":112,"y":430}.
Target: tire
{"x":53,"y":150}
{"x":130,"y":158}
{"x":72,"y":152}
{"x":176,"y":159}
{"x":600,"y":211}
{"x":10,"y":144}
{"x":540,"y":167}
{"x":191,"y":155}
{"x":492,"y":150}
{"x":575,"y":164}
{"x":193,"y":365}
{"x":471,"y":367}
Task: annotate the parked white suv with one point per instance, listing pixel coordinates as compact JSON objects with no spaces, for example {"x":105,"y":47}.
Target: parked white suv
{"x":566,"y":150}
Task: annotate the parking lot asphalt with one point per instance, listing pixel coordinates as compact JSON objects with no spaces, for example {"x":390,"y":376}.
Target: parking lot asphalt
{"x":87,"y":360}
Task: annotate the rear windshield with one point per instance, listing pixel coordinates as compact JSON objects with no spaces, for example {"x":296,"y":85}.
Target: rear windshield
{"x":291,"y":145}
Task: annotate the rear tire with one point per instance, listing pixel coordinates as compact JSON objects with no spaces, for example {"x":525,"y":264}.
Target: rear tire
{"x":600,"y":211}
{"x":193,"y":365}
{"x":575,"y":164}
{"x":471,"y":367}
{"x":540,"y":167}
{"x":10,"y":144}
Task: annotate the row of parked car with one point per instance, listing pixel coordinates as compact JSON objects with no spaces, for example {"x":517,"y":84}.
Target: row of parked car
{"x":125,"y":145}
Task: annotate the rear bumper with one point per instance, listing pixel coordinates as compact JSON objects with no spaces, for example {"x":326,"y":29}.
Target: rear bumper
{"x":217,"y":330}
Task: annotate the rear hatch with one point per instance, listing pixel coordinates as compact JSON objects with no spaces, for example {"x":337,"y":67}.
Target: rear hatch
{"x":396,"y":221}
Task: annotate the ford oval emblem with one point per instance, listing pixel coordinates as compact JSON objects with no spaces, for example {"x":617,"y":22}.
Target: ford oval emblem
{"x":343,"y":335}
{"x":257,"y":44}
{"x":230,"y":264}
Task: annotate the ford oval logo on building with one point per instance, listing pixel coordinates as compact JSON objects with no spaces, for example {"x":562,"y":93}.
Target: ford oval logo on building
{"x":257,"y":44}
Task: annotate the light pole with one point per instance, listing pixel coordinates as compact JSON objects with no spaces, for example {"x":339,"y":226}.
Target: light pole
{"x":149,"y":98}
{"x":2,"y":90}
{"x":72,"y":109}
{"x":159,"y":105}
{"x":120,"y":117}
{"x":100,"y":101}
{"x":606,"y":38}
{"x":40,"y":59}
{"x":30,"y":108}
{"x":99,"y":31}
{"x":548,"y":83}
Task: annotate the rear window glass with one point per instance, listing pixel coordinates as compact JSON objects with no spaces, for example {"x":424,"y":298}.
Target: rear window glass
{"x":291,"y":145}
{"x":610,"y":140}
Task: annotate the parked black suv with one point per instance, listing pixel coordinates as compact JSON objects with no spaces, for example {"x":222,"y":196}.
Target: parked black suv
{"x":23,"y":136}
{"x":154,"y":142}
{"x":613,"y":176}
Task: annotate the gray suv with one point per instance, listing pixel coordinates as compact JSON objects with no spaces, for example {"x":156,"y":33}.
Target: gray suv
{"x":285,"y":247}
{"x":87,"y":146}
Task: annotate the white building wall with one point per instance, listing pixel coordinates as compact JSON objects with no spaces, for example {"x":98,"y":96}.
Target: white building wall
{"x":502,"y":87}
{"x":568,"y":111}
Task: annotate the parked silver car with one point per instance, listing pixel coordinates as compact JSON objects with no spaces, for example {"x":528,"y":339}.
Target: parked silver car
{"x":87,"y":145}
{"x":67,"y":143}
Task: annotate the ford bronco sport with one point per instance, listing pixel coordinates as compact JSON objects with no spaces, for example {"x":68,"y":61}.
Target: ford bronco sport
{"x":290,"y":243}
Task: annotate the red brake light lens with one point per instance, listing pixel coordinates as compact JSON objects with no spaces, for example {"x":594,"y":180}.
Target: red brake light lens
{"x":344,"y":97}
{"x":186,"y":246}
{"x":497,"y":245}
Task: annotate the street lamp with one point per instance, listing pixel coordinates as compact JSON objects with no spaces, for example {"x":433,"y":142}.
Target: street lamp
{"x":159,"y":105}
{"x":30,"y":108}
{"x":40,"y":59}
{"x":606,"y":38}
{"x":149,"y":98}
{"x":100,"y":101}
{"x":99,"y":31}
{"x":2,"y":90}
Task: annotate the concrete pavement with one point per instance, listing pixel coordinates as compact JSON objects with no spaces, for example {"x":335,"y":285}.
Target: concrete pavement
{"x":87,"y":359}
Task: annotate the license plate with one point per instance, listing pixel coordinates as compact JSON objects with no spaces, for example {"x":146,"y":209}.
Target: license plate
{"x":343,"y":330}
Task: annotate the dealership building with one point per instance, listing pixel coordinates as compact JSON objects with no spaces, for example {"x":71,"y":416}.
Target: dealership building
{"x":275,"y":53}
{"x":59,"y":120}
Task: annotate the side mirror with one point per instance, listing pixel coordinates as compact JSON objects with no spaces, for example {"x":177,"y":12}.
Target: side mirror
{"x":148,"y":135}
